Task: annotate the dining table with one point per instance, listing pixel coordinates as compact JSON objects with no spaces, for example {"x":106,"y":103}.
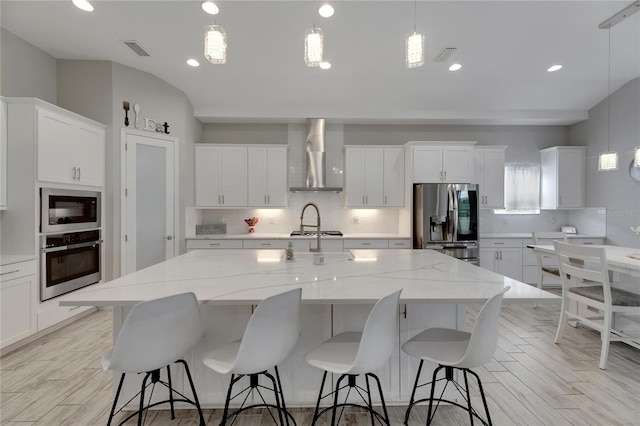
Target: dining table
{"x":624,"y":260}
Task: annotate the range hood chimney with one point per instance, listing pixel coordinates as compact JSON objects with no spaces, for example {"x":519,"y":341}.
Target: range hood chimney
{"x":316,"y":159}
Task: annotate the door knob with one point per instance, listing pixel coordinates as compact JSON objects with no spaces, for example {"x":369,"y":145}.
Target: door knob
{"x":170,"y":237}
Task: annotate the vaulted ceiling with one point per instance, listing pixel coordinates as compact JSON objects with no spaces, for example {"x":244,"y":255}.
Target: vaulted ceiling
{"x":505,"y":48}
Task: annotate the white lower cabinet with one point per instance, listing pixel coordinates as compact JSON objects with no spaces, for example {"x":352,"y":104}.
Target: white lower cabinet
{"x":49,"y":313}
{"x":366,"y":244}
{"x":264,"y":244}
{"x":200,"y":244}
{"x":503,"y":256}
{"x":304,"y":244}
{"x":18,"y":289}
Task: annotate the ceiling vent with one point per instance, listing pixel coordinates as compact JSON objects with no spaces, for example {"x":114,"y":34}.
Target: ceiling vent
{"x":444,"y":54}
{"x":133,"y":45}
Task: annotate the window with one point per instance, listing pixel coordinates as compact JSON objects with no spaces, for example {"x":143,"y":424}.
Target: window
{"x":521,"y":189}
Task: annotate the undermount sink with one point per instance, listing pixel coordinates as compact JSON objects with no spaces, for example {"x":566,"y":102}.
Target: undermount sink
{"x":313,"y":234}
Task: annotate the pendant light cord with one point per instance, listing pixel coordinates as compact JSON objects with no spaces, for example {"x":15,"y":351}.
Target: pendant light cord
{"x":609,"y":97}
{"x":415,"y":8}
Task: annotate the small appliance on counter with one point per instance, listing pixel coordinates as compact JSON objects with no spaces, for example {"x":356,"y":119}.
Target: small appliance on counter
{"x":212,"y":229}
{"x":568,"y":229}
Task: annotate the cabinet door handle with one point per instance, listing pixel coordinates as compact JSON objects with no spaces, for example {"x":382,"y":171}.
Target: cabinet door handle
{"x":268,"y":199}
{"x":222,"y":198}
{"x":500,"y":254}
{"x":404,"y":311}
{"x":385,"y":200}
{"x":560,"y":200}
{"x":363,"y":200}
{"x":78,"y":173}
{"x":497,"y":258}
{"x":10,"y":272}
{"x":366,"y":197}
{"x":445,"y":175}
{"x":219,"y":199}
{"x":265,"y":199}
{"x":75,"y":173}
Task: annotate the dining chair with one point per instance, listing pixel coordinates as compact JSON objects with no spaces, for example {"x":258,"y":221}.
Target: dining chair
{"x":270,"y":336}
{"x":585,"y":280}
{"x":155,"y":334}
{"x":454,"y":349}
{"x":353,"y":353}
{"x":544,"y":268}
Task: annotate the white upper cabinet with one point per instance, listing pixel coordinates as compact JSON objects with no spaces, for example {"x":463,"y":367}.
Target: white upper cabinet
{"x":221,"y":176}
{"x":374,"y":176}
{"x":562,"y":173}
{"x":267,"y":176}
{"x":3,"y":154}
{"x":69,"y":150}
{"x":393,"y":177}
{"x":488,"y":170}
{"x":443,"y":164}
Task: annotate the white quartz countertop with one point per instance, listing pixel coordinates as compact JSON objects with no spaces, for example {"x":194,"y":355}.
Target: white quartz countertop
{"x":287,"y":236}
{"x":359,"y":276}
{"x":8,"y":259}
{"x":528,"y":235}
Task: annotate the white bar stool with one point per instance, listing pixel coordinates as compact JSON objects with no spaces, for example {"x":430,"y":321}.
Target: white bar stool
{"x":155,"y":334}
{"x":270,"y":336}
{"x":353,"y":353}
{"x":454,"y":349}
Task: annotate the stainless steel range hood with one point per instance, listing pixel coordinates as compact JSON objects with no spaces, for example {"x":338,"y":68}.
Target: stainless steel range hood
{"x":316,"y":159}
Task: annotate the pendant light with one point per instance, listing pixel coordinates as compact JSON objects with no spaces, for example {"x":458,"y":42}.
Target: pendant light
{"x":313,"y":44}
{"x":636,"y":157}
{"x":414,"y":45}
{"x":215,"y":44}
{"x":608,"y":161}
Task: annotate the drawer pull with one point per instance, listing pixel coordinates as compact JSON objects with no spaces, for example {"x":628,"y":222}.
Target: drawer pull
{"x":497,"y":243}
{"x":74,"y":308}
{"x":366,"y":244}
{"x":214,"y":244}
{"x":265,"y":244}
{"x":398,"y":244}
{"x":588,"y":242}
{"x":10,"y":272}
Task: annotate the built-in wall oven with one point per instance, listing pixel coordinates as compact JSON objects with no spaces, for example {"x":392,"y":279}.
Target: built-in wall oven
{"x":69,"y":261}
{"x":64,"y":210}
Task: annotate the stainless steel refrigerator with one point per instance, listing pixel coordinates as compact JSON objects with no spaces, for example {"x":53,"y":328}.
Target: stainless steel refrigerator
{"x":445,"y":218}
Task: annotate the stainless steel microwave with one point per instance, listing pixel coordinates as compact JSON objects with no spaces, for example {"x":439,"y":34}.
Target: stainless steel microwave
{"x":63,"y":210}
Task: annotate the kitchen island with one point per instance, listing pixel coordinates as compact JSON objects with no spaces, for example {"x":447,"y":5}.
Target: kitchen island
{"x":336,"y":296}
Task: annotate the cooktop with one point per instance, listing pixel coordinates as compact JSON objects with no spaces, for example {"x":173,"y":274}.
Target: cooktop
{"x":314,"y":233}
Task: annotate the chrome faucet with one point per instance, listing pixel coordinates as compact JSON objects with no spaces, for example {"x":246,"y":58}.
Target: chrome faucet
{"x":317,"y":225}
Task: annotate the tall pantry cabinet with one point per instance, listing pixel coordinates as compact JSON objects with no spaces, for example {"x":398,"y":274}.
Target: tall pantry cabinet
{"x":48,"y":147}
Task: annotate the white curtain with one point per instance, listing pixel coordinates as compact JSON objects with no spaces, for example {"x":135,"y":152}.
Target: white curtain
{"x":522,"y":187}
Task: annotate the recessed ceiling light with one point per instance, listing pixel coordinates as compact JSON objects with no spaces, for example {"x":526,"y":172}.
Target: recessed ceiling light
{"x":84,"y":5}
{"x":210,"y":7}
{"x":455,"y":67}
{"x":326,"y":10}
{"x":325,"y":65}
{"x":553,"y":68}
{"x":192,"y":62}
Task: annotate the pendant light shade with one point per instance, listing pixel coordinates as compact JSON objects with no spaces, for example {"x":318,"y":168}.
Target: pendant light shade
{"x":415,"y":50}
{"x":636,"y":157}
{"x":313,"y":47}
{"x":607,"y":161}
{"x":215,"y":44}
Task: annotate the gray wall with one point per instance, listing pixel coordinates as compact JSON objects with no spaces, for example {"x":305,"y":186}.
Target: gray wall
{"x":245,"y":133}
{"x":523,"y":141}
{"x":614,"y":190}
{"x":26,"y":71}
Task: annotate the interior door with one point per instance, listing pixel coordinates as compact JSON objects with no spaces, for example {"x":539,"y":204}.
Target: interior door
{"x":149,"y":200}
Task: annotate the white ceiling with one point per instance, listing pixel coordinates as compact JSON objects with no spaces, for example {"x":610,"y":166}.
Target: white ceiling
{"x":505,"y":48}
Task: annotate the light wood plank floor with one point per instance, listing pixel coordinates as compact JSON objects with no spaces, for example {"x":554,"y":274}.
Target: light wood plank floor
{"x":57,"y":380}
